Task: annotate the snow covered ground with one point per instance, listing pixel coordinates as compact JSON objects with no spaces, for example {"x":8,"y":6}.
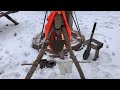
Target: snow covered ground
{"x":15,"y":46}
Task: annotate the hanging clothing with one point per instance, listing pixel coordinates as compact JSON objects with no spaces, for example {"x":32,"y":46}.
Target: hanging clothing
{"x":50,"y":20}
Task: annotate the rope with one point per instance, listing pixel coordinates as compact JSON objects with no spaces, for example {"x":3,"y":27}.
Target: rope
{"x":42,"y":29}
{"x":76,"y":24}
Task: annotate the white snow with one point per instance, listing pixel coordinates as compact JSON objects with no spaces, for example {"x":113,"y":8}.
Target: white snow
{"x":16,"y":50}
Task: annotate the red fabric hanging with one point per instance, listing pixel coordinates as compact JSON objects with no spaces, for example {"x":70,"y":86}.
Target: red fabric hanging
{"x":50,"y":19}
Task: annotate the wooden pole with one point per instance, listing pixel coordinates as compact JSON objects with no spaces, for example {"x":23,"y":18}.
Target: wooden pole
{"x":40,"y":55}
{"x":69,"y":18}
{"x":72,"y":56}
{"x":8,"y":17}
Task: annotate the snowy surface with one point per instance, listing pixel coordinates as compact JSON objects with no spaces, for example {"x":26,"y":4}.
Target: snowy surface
{"x":16,"y":50}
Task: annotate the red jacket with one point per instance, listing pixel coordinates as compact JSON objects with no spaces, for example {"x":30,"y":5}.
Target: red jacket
{"x":50,"y":19}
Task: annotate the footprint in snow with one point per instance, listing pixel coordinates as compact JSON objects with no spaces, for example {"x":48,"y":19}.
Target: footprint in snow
{"x":1,"y":57}
{"x":96,"y":19}
{"x":53,"y":75}
{"x":17,"y":75}
{"x":105,"y":41}
{"x":15,"y":34}
{"x":26,"y":54}
{"x":7,"y":52}
{"x":113,"y":53}
{"x":19,"y":38}
{"x":17,"y":64}
{"x":111,"y":27}
{"x":106,"y":75}
{"x":1,"y":71}
{"x":107,"y":46}
{"x":20,"y":46}
{"x":1,"y":49}
{"x":111,"y":23}
{"x":24,"y":62}
{"x":26,"y":69}
{"x":106,"y":26}
{"x":104,"y":58}
{"x":8,"y":25}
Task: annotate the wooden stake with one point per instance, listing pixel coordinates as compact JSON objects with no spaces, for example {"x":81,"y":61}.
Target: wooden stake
{"x":73,"y":57}
{"x":40,"y":55}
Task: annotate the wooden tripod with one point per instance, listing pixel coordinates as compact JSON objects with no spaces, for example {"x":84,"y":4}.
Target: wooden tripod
{"x":45,"y":45}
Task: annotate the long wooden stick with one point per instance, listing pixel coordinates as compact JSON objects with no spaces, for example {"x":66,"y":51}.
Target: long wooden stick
{"x":6,"y":13}
{"x":72,"y":54}
{"x":40,"y":55}
{"x":8,"y":17}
